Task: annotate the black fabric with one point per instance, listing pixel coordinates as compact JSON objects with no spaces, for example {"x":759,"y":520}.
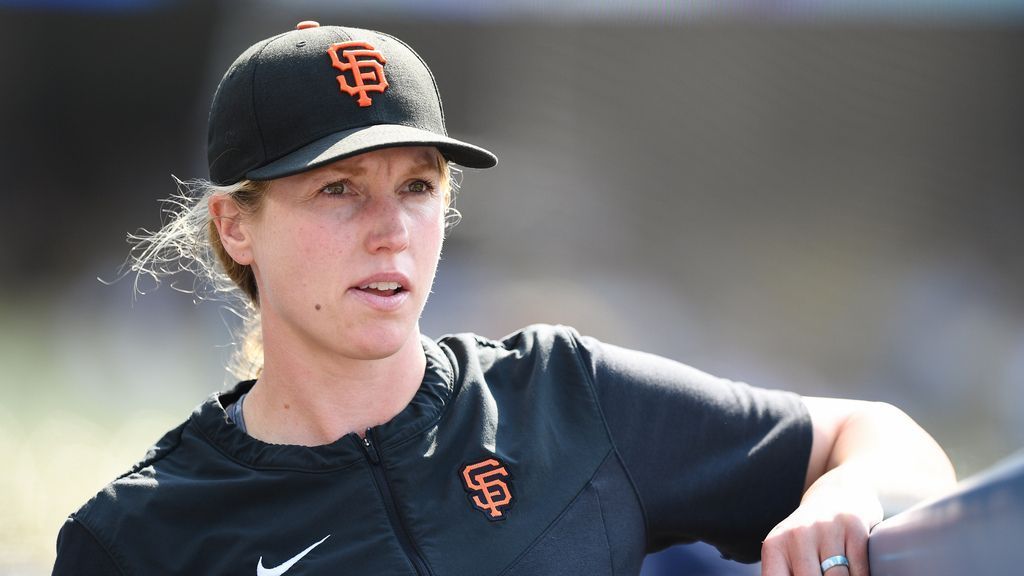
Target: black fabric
{"x":609,"y":454}
{"x":731,"y":456}
{"x":79,"y":554}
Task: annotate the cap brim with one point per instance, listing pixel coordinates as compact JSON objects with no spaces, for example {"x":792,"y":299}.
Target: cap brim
{"x":358,"y":140}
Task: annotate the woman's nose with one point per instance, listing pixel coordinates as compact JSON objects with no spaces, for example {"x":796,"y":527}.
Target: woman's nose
{"x":388,"y":228}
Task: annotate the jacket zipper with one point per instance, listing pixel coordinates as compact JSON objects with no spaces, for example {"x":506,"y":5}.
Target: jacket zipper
{"x":381,"y":480}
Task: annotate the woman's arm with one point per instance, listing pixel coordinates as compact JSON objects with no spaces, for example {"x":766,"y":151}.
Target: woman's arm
{"x":868,"y":461}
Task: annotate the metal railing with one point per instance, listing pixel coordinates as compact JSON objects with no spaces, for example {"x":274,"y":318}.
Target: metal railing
{"x":978,"y":529}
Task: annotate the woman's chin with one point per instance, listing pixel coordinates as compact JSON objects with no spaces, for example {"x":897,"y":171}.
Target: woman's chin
{"x":380,"y":342}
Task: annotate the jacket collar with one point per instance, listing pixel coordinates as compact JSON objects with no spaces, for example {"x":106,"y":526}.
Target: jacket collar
{"x":421,"y":414}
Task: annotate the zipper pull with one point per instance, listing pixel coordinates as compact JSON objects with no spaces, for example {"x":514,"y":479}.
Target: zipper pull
{"x":371,"y":450}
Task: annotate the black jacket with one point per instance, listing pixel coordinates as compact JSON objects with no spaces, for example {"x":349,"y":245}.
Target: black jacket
{"x":543,"y":453}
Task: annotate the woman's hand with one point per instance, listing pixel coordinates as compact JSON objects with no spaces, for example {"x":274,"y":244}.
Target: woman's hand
{"x":834,"y":518}
{"x":868,"y":461}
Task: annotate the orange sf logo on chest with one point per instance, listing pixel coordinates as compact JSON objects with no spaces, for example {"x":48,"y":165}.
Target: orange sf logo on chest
{"x":365,"y":64}
{"x":488,"y":491}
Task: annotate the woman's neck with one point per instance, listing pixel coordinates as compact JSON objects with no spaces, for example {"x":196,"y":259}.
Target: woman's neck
{"x":312,"y":401}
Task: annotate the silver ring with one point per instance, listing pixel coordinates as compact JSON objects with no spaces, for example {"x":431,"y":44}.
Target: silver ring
{"x":833,"y":561}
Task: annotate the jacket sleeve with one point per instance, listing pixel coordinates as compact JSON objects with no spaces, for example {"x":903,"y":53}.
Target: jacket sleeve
{"x":711,"y":459}
{"x":79,"y":553}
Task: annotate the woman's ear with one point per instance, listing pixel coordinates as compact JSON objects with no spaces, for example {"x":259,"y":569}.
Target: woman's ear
{"x":235,"y":235}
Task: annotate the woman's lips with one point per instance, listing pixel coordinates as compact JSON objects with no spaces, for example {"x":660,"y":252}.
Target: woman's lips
{"x":378,"y":300}
{"x":383,"y":291}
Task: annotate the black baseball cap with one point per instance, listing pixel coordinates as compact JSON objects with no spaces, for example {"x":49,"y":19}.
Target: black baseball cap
{"x":318,"y":94}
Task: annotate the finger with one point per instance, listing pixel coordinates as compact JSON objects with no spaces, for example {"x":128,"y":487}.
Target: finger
{"x":805,"y":542}
{"x":857,"y":547}
{"x":833,"y":543}
{"x":773,"y":559}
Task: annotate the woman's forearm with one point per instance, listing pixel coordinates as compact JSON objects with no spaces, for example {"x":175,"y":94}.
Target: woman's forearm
{"x":879,"y":446}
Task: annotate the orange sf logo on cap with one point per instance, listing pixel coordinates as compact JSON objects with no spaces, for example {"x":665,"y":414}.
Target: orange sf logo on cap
{"x":365,"y":64}
{"x":488,"y":492}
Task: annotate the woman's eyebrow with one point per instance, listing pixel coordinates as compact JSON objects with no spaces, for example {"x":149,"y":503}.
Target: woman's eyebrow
{"x":424,"y":166}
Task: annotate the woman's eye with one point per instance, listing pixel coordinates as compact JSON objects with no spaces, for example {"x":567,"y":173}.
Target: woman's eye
{"x":420,"y":187}
{"x":335,"y":189}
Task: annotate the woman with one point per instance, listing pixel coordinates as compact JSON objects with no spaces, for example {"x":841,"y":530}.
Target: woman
{"x":363,"y":447}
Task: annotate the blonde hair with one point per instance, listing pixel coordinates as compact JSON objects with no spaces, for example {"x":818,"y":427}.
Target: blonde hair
{"x":189,"y":242}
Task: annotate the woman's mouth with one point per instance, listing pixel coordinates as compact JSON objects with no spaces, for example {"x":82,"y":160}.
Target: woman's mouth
{"x":382,"y":288}
{"x":382,"y":295}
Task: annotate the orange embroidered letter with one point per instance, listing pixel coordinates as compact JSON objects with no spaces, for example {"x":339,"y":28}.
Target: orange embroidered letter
{"x":487,"y":491}
{"x":365,"y":64}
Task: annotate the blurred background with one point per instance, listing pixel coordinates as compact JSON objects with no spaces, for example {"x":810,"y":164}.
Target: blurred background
{"x":823,"y":196}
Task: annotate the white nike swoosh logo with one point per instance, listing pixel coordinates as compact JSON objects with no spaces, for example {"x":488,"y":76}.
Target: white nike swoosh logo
{"x":261,"y":571}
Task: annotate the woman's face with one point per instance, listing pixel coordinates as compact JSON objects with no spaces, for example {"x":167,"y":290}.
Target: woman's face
{"x":344,"y":255}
